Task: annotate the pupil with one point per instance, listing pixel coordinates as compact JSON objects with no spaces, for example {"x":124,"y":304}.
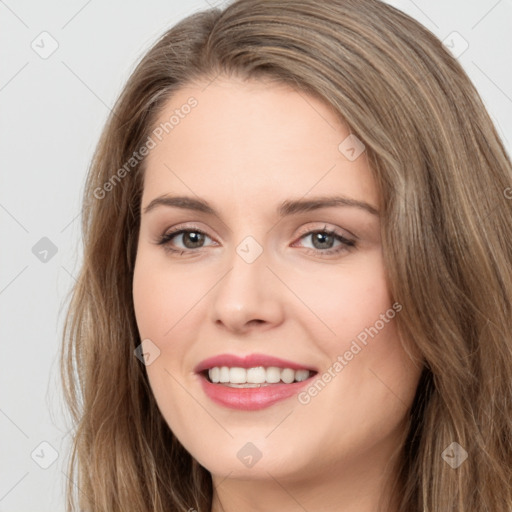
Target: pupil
{"x":197,"y":238}
{"x":318,"y":237}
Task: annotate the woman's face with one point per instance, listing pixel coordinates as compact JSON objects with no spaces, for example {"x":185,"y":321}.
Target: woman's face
{"x":256,"y":277}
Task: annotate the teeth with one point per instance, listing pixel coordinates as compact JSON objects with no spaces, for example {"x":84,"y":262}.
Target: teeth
{"x":301,"y":375}
{"x":254,"y":377}
{"x":237,"y":375}
{"x":273,"y":375}
{"x":224,"y":374}
{"x":287,"y":375}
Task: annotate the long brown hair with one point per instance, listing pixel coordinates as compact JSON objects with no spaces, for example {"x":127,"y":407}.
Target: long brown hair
{"x":446,"y":187}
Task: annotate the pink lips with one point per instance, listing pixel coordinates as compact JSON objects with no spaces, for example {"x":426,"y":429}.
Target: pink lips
{"x":249,"y":399}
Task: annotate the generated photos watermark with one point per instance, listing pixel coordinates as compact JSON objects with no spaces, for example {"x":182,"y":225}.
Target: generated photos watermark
{"x":157,"y":135}
{"x":356,"y":346}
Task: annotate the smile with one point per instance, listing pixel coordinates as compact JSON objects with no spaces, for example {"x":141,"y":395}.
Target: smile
{"x":255,"y":377}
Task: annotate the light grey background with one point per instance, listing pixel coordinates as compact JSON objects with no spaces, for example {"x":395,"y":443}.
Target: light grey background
{"x":52,"y":111}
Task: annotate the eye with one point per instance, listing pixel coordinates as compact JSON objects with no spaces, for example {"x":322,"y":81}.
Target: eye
{"x":193,"y":238}
{"x":323,"y":241}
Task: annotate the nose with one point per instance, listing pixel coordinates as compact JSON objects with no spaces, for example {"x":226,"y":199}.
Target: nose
{"x":249,"y":296}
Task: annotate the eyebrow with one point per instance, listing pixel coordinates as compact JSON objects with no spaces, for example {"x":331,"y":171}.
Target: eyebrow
{"x":286,"y":208}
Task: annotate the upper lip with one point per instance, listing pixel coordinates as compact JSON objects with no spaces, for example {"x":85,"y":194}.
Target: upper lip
{"x":249,"y":361}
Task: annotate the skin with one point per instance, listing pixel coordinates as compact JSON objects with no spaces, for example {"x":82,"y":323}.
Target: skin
{"x":247,"y":147}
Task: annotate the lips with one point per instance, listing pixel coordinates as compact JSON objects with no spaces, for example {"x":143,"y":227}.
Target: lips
{"x":250,"y":361}
{"x":250,"y":398}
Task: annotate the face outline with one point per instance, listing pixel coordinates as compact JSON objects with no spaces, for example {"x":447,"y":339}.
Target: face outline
{"x":291,"y":302}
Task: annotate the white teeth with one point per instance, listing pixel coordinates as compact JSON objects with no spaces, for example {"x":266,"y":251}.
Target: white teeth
{"x":301,"y":375}
{"x":215,"y":374}
{"x":253,"y":377}
{"x":256,"y":375}
{"x":224,"y":374}
{"x":237,"y":375}
{"x":288,"y":375}
{"x":273,"y":375}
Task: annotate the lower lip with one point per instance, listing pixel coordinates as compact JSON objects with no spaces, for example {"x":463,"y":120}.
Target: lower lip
{"x":251,"y":399}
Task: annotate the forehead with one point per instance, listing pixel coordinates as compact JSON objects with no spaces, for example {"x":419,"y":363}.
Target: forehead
{"x":244,"y":141}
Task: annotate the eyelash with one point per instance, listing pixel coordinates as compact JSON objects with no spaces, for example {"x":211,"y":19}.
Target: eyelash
{"x":346,"y":244}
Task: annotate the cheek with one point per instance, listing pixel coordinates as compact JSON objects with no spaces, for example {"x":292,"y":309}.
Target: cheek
{"x":368,"y":373}
{"x":346,"y":299}
{"x":162,"y":296}
{"x":154,"y":303}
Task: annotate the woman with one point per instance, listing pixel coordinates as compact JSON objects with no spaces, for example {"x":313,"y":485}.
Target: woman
{"x":296,"y":289}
